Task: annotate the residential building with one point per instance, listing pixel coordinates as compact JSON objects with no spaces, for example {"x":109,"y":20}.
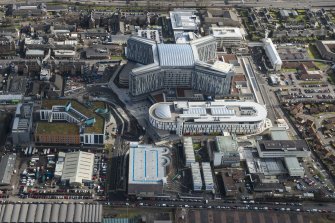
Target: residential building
{"x":208,"y":176}
{"x":7,"y":46}
{"x":196,"y":176}
{"x":184,"y":118}
{"x":188,"y":151}
{"x":148,"y":168}
{"x":166,"y":66}
{"x":226,"y":153}
{"x":272,"y":54}
{"x":326,"y":49}
{"x":78,"y":167}
{"x":22,"y":124}
{"x":69,"y":122}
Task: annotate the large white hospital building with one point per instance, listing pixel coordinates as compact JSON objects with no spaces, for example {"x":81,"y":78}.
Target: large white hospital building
{"x":240,"y":117}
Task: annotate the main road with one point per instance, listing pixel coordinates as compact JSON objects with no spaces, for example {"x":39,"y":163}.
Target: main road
{"x":201,"y":3}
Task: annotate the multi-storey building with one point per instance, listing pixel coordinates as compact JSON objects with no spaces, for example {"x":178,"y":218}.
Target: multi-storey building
{"x":148,"y":168}
{"x":283,"y":148}
{"x":177,"y":65}
{"x":227,"y":36}
{"x":69,"y":122}
{"x":22,"y":125}
{"x":185,"y":118}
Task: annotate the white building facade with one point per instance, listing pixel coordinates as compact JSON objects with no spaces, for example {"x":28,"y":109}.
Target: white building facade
{"x":272,"y":54}
{"x":177,"y":65}
{"x":227,"y":36}
{"x":192,"y":118}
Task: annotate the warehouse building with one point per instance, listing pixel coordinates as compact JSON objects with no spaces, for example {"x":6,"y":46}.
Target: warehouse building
{"x":22,"y":124}
{"x":148,"y":167}
{"x":78,"y":167}
{"x":240,"y":117}
{"x":7,"y":165}
{"x":53,"y":213}
{"x":165,"y":66}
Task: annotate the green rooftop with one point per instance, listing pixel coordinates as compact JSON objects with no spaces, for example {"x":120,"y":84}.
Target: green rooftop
{"x":99,"y":125}
{"x":57,"y":128}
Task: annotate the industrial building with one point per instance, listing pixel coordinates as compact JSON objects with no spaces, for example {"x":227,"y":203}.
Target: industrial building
{"x":69,"y":122}
{"x":148,"y":168}
{"x":193,"y":65}
{"x":240,"y":117}
{"x":293,"y":166}
{"x":226,"y":153}
{"x":208,"y":176}
{"x":188,"y":151}
{"x":326,"y":49}
{"x":7,"y":165}
{"x":78,"y":167}
{"x":196,"y":176}
{"x":272,"y":54}
{"x":283,"y":148}
{"x":22,"y":124}
{"x":227,"y":36}
{"x":50,"y":212}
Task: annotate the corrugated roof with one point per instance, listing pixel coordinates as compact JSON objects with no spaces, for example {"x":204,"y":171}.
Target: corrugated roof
{"x":179,"y":55}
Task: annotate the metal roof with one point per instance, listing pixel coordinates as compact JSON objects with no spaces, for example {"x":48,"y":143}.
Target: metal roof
{"x":78,"y":166}
{"x":56,"y":213}
{"x":6,"y":168}
{"x":175,"y":55}
{"x":147,"y":164}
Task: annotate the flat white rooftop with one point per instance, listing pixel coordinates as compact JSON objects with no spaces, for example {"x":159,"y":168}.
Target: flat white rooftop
{"x":184,"y":19}
{"x":147,"y":164}
{"x":218,"y":111}
{"x":196,"y":176}
{"x":271,"y":51}
{"x":226,"y":32}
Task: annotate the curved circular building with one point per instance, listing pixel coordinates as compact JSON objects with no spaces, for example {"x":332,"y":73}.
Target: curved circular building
{"x":240,"y":117}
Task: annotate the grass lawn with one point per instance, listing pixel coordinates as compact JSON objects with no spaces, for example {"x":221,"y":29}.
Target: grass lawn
{"x":288,"y":70}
